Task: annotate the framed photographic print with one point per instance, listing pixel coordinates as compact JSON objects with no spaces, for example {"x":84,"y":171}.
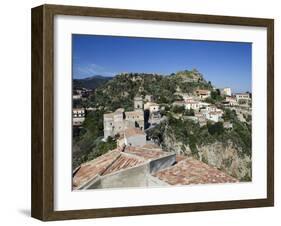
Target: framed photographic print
{"x":141,"y":112}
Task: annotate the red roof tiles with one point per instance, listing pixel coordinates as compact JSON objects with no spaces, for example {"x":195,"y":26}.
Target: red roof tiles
{"x":191,"y":171}
{"x":94,"y":167}
{"x":123,"y":162}
{"x":185,"y":171}
{"x":146,"y":152}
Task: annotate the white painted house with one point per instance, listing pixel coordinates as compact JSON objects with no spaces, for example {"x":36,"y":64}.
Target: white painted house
{"x":226,"y":91}
{"x":242,"y":97}
{"x":212,"y":113}
{"x":192,"y":104}
{"x":214,"y":116}
{"x":203,"y":104}
{"x":78,"y":116}
{"x":77,"y":96}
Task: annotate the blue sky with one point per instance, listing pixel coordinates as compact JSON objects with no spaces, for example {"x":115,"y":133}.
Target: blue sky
{"x":225,"y":64}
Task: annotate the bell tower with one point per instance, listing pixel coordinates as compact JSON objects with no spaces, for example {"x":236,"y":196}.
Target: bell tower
{"x":138,"y":103}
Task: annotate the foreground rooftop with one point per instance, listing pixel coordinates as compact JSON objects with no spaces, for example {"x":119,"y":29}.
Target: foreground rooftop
{"x":142,"y":166}
{"x":191,"y":171}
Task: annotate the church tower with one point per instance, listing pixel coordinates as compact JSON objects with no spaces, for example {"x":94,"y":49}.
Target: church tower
{"x":138,"y":103}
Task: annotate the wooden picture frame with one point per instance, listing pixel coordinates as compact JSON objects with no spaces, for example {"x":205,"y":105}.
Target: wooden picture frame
{"x":43,"y":107}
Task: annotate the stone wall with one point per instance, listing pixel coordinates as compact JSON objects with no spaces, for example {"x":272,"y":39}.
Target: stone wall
{"x":162,"y":163}
{"x":137,"y":140}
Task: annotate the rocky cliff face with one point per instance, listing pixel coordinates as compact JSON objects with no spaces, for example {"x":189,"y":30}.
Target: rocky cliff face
{"x":228,"y":159}
{"x":171,"y":144}
{"x":190,"y":76}
{"x":225,"y":157}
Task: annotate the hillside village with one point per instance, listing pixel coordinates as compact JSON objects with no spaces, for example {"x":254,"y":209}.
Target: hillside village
{"x":175,"y":130}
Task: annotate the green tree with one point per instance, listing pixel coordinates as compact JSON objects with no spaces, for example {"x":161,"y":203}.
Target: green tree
{"x":229,"y":115}
{"x":216,"y":128}
{"x":178,"y":109}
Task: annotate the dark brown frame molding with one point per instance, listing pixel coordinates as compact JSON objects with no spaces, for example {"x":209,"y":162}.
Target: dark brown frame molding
{"x":42,"y":203}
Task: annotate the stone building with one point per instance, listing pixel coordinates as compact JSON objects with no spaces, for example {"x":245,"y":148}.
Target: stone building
{"x":134,"y":119}
{"x":230,"y":101}
{"x":116,"y":122}
{"x":203,"y":94}
{"x":243,"y":98}
{"x":154,"y":112}
{"x":113,"y":123}
{"x":138,"y":103}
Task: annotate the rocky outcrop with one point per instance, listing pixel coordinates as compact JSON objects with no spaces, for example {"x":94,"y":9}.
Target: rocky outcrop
{"x":228,"y":159}
{"x":225,"y":157}
{"x":171,"y":144}
{"x":190,"y":76}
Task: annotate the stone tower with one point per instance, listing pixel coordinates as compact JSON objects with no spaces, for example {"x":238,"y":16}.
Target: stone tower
{"x":138,"y":103}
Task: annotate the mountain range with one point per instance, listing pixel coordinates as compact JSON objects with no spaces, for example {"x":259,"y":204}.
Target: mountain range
{"x":91,"y":82}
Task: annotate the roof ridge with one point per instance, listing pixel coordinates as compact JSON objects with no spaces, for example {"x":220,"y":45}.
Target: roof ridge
{"x":95,"y":159}
{"x":134,"y":156}
{"x":109,"y":165}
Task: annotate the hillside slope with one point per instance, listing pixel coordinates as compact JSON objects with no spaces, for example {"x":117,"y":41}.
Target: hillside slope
{"x":91,"y":82}
{"x":120,"y":91}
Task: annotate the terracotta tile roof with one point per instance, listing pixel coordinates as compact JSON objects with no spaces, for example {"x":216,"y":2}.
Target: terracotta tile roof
{"x":180,"y":158}
{"x":114,"y":161}
{"x":191,"y":171}
{"x":94,"y":167}
{"x":133,"y":132}
{"x":123,"y":162}
{"x":203,"y":91}
{"x":146,"y":152}
{"x":151,"y":146}
{"x":185,"y":171}
{"x":110,"y":162}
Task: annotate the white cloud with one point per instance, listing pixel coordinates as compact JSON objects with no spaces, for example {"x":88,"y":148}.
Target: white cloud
{"x":92,"y":69}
